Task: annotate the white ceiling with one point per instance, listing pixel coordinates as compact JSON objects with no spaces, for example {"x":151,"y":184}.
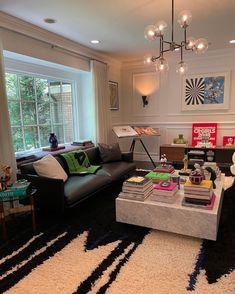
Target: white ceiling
{"x":120,"y":25}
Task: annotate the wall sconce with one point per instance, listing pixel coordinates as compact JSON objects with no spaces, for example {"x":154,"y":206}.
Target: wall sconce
{"x":145,"y":101}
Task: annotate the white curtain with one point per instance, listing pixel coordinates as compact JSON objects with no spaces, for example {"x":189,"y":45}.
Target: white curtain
{"x":102,"y":109}
{"x":7,"y":155}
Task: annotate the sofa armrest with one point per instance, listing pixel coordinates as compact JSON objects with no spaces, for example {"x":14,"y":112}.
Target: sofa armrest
{"x":127,"y":156}
{"x":50,"y":192}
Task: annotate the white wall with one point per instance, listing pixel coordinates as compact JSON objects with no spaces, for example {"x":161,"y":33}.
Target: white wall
{"x":164,"y":109}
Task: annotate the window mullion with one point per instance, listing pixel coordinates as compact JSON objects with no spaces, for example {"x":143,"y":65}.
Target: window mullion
{"x":21,"y":111}
{"x":62,"y":110}
{"x":36,"y":107}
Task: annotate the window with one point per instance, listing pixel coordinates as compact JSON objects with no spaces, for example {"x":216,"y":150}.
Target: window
{"x":37,"y":107}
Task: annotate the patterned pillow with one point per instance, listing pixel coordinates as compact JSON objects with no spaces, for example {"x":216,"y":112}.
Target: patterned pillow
{"x":109,"y":153}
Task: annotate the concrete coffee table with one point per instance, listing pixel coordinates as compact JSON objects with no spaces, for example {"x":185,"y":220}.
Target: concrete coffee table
{"x":196,"y":222}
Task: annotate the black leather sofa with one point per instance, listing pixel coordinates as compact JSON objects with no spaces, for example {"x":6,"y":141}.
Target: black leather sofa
{"x":56,"y":195}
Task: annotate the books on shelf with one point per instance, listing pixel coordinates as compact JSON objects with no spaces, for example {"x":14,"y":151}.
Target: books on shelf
{"x":162,"y":193}
{"x":136,"y":188}
{"x":165,"y":190}
{"x":134,"y":196}
{"x":205,"y":185}
{"x":168,"y":168}
{"x":169,"y":187}
{"x":197,"y":201}
{"x":136,"y":180}
{"x":137,"y":183}
{"x":83,"y":142}
{"x":59,"y":147}
{"x":198,"y":194}
{"x":208,"y":206}
{"x":157,"y":177}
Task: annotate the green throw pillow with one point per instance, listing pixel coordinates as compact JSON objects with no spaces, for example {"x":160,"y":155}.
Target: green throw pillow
{"x":78,"y":163}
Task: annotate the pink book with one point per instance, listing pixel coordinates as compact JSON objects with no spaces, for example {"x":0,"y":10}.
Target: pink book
{"x":211,"y":205}
{"x":161,"y":186}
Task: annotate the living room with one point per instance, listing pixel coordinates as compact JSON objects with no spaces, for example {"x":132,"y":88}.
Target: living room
{"x":62,"y":50}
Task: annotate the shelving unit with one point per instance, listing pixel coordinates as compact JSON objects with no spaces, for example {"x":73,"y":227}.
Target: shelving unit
{"x":221,"y":155}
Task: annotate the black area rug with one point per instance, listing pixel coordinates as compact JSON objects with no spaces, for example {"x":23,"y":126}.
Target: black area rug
{"x":113,"y":247}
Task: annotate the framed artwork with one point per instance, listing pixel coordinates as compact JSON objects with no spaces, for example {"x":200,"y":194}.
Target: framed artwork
{"x":206,"y":91}
{"x":229,"y":141}
{"x":113,"y":95}
{"x":204,"y":132}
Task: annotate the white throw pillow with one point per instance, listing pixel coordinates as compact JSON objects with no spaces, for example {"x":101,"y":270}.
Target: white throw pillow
{"x":49,"y":167}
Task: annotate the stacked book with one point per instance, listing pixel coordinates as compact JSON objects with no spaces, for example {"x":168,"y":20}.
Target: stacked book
{"x":83,"y":142}
{"x":164,"y":192}
{"x":167,"y":168}
{"x":200,"y":196}
{"x":136,"y":188}
{"x":157,"y":177}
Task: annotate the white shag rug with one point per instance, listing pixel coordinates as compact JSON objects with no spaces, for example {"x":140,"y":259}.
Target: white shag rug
{"x":160,"y":265}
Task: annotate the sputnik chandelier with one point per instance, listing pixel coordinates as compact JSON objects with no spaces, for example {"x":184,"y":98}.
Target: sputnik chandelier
{"x":153,"y":32}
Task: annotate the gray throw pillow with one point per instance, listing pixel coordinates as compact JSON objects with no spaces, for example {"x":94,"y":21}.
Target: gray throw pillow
{"x":110,"y":153}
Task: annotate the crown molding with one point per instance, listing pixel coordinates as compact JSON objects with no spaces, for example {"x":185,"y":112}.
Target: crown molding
{"x":210,"y":54}
{"x":16,"y":25}
{"x":167,"y":123}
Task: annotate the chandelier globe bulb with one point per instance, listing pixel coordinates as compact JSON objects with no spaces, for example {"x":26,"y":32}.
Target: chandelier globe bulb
{"x":190,"y":43}
{"x":161,"y":26}
{"x":162,"y":65}
{"x":150,"y":33}
{"x":182,"y":67}
{"x":185,"y":18}
{"x":147,"y":59}
{"x":200,"y":46}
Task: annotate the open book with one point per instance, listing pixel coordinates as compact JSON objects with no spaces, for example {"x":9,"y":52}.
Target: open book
{"x":128,"y":131}
{"x":124,"y":131}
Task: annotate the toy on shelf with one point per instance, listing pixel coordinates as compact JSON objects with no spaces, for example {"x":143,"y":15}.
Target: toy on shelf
{"x":185,"y":170}
{"x":6,"y":176}
{"x":163,"y":160}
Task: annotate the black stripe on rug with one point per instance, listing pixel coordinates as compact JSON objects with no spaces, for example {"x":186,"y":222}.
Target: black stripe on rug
{"x":217,"y":258}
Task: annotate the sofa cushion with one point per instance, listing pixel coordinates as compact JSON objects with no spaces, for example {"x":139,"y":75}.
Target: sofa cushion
{"x":109,"y":153}
{"x":118,"y":169}
{"x":78,"y":187}
{"x":49,"y":167}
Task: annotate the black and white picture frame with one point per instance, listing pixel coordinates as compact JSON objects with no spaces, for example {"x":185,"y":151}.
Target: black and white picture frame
{"x":206,"y":91}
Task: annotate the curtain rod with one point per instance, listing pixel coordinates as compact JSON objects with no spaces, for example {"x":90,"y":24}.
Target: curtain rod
{"x":53,"y":46}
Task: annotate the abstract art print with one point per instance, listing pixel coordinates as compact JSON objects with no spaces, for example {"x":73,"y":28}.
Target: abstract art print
{"x":206,"y":91}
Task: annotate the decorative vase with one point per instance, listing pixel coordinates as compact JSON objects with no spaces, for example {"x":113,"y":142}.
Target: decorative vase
{"x":180,"y":140}
{"x":53,"y":140}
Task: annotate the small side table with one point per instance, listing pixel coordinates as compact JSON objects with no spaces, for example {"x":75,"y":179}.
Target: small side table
{"x":14,"y":210}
